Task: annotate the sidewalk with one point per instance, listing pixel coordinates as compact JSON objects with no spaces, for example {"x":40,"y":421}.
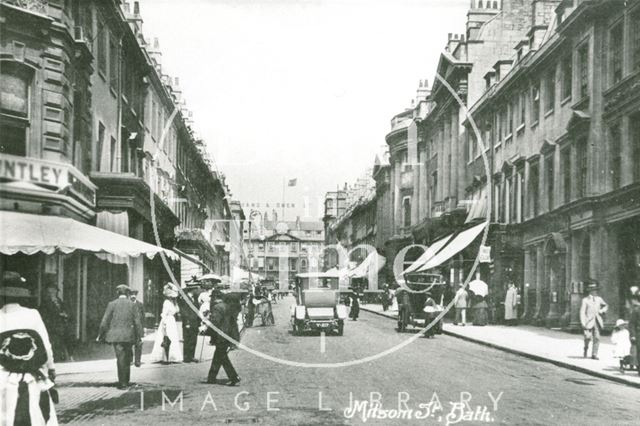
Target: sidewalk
{"x":557,"y":347}
{"x":103,"y":358}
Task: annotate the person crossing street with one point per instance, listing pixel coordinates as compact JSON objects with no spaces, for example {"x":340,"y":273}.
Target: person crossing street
{"x":591,"y":311}
{"x":224,"y":316}
{"x":190,"y":322}
{"x":137,"y":347}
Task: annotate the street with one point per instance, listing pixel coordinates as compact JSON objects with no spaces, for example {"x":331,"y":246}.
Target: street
{"x":435,"y":374}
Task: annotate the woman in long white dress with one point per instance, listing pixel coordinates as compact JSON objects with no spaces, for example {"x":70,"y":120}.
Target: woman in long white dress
{"x":166,"y":347}
{"x":26,"y":359}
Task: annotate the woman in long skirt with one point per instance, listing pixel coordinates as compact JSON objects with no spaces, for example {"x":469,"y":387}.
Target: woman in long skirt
{"x":166,"y":347}
{"x":26,"y":359}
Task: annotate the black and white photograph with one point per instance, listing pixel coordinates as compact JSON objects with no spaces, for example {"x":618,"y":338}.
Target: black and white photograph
{"x":319,"y":212}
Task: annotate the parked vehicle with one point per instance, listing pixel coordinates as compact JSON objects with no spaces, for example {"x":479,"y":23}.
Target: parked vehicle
{"x":318,"y":306}
{"x":420,"y":306}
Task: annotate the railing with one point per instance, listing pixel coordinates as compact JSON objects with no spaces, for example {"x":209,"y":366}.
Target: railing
{"x":38,"y":6}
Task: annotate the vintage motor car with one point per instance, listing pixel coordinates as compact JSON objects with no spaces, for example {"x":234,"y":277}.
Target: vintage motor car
{"x":423,"y":303}
{"x":318,"y":306}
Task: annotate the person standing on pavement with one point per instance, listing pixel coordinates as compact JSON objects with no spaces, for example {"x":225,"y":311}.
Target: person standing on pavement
{"x":26,"y":382}
{"x":137,"y":347}
{"x":56,"y":319}
{"x":354,"y":312}
{"x":121,"y":326}
{"x":591,"y":311}
{"x":190,"y":322}
{"x":224,"y":316}
{"x":461,"y":305}
{"x":386,"y":297}
{"x":166,"y":348}
{"x":511,"y":305}
{"x":634,"y":328}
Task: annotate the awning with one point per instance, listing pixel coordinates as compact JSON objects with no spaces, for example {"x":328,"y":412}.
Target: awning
{"x":373,"y":262}
{"x":478,"y":208}
{"x":31,"y":233}
{"x":428,"y":254}
{"x":459,"y":243}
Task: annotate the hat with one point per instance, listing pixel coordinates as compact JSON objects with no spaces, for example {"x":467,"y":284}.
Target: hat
{"x":620,"y":323}
{"x":170,"y":291}
{"x":592,"y":285}
{"x":123,"y":289}
{"x":13,"y":285}
{"x":192,"y":286}
{"x":634,"y":290}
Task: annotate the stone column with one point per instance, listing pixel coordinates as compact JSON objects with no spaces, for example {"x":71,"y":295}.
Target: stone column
{"x":397,"y":202}
{"x":626,"y":152}
{"x":528,"y":280}
{"x":539,"y":280}
{"x":575,"y":278}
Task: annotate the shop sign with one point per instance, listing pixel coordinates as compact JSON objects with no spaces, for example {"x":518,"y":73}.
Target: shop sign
{"x":48,"y":173}
{"x":485,"y":254}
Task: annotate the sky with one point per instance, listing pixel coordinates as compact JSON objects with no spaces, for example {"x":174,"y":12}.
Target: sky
{"x":298,"y":89}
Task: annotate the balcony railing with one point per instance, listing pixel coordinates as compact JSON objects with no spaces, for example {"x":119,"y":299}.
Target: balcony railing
{"x":38,"y":6}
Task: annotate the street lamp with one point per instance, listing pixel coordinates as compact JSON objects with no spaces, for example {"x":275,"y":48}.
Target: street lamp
{"x":252,"y":216}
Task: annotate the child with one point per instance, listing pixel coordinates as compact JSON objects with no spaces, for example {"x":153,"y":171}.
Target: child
{"x":620,"y":338}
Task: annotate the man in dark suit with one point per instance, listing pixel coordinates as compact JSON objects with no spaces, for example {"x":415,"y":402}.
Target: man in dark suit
{"x":137,"y":347}
{"x":224,"y":315}
{"x":121,"y":326}
{"x":190,"y":323}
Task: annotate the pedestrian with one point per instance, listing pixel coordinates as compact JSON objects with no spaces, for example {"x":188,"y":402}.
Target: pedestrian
{"x":24,"y":380}
{"x":137,"y":347}
{"x":591,"y":311}
{"x":56,"y":318}
{"x":354,"y":312}
{"x":634,"y":328}
{"x":166,"y":348}
{"x":430,"y":309}
{"x":511,"y":305}
{"x":461,"y":305}
{"x":190,"y":322}
{"x":224,"y":316}
{"x":386,"y":297}
{"x":121,"y":326}
{"x":622,"y":344}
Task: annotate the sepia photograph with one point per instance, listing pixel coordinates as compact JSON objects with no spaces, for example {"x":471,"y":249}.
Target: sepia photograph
{"x":319,"y":212}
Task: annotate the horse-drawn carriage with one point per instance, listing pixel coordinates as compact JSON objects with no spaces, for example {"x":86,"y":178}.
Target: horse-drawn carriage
{"x":318,"y":306}
{"x":422,"y":303}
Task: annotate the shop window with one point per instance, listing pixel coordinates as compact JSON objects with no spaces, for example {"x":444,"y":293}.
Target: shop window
{"x":583,"y":70}
{"x":567,"y":76}
{"x":615,"y":159}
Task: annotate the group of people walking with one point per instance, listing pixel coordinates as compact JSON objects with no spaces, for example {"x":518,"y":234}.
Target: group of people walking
{"x":121,"y":327}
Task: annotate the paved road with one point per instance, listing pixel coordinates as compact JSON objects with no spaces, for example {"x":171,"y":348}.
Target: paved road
{"x":431,"y":374}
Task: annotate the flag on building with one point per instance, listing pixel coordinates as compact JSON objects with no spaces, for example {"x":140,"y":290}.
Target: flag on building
{"x":293,"y":182}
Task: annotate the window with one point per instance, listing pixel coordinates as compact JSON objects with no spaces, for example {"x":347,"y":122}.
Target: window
{"x":520,"y":190}
{"x":509,"y":119}
{"x":434,"y":185}
{"x":635,"y":40}
{"x":566,"y":174}
{"x":14,"y":109}
{"x":523,"y":101}
{"x":13,"y":140}
{"x":550,"y":181}
{"x":533,"y":189}
{"x":153,"y":118}
{"x":535,"y":103}
{"x":102,"y":47}
{"x":472,"y":146}
{"x":582,"y":170}
{"x":497,"y":190}
{"x":550,"y":91}
{"x":99,"y":148}
{"x":615,"y":163}
{"x":112,"y":153}
{"x":406,"y":211}
{"x":499,"y":126}
{"x":615,"y":52}
{"x":583,"y":69}
{"x":567,"y":76}
{"x":113,"y":64}
{"x":513,"y":198}
{"x":635,"y":143}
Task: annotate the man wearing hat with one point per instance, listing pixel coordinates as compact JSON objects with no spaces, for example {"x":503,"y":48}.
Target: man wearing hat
{"x":121,"y":326}
{"x":190,"y":322}
{"x":591,"y":311}
{"x":56,"y":318}
{"x":137,"y":347}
